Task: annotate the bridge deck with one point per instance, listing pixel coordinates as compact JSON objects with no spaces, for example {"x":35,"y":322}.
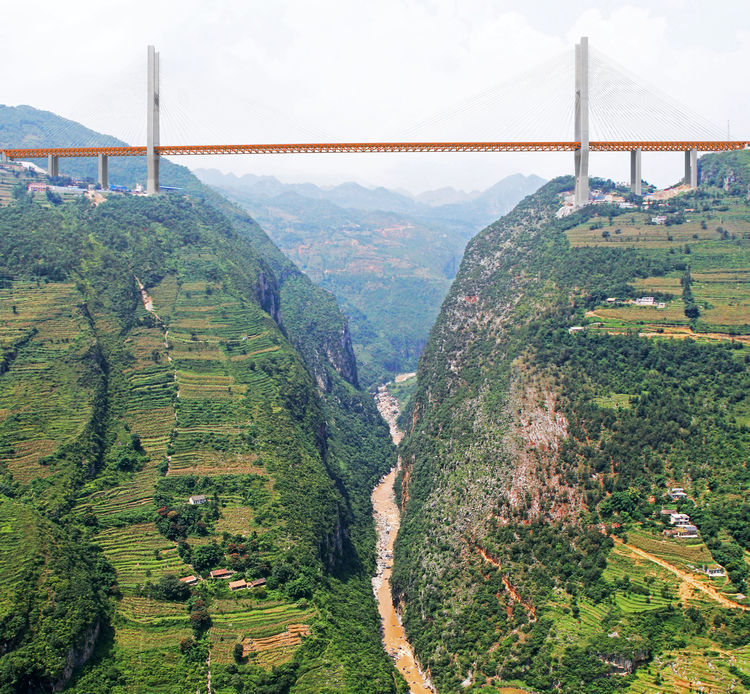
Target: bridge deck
{"x":353,"y":147}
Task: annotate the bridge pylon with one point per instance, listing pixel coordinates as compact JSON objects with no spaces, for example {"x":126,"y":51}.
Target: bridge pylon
{"x":152,"y":122}
{"x":582,"y":122}
{"x":635,"y":171}
{"x":691,"y":167}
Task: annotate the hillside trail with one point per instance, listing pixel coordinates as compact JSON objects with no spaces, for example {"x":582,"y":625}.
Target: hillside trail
{"x":387,"y":521}
{"x":685,"y":576}
{"x":514,"y":594}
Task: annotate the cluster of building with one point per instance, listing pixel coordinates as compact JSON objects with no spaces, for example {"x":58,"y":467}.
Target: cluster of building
{"x":681,"y":525}
{"x":79,"y":187}
{"x":226,"y":574}
{"x":596,"y":197}
{"x":683,"y":528}
{"x":680,"y":522}
{"x":241,"y":584}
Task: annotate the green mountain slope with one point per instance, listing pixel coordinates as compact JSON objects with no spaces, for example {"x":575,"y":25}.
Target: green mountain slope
{"x":229,"y":375}
{"x":547,"y":428}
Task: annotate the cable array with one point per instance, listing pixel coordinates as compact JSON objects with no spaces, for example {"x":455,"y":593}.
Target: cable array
{"x":624,"y":107}
{"x":534,"y":109}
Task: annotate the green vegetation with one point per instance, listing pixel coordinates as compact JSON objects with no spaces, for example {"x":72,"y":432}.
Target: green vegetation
{"x":233,"y":378}
{"x":537,"y":449}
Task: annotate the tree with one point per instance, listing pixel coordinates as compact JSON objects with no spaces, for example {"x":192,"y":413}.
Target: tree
{"x":207,"y":557}
{"x":171,"y":588}
{"x":238,"y":652}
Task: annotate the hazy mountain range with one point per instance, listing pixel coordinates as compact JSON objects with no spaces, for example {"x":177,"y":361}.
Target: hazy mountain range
{"x":477,"y":207}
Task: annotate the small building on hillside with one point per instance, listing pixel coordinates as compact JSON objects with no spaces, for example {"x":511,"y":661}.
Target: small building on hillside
{"x":677,"y":493}
{"x":238,"y":585}
{"x":197,"y":499}
{"x":687,"y":531}
{"x":190,"y":580}
{"x":668,"y":511}
{"x":679,"y":518}
{"x":257,"y":583}
{"x":645,"y":301}
{"x":221,"y":573}
{"x":714,"y":571}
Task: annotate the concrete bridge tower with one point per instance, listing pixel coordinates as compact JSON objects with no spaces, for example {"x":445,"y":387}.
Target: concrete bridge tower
{"x":582,"y":122}
{"x":152,"y":122}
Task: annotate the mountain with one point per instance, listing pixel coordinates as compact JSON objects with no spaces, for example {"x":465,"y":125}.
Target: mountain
{"x":587,"y":376}
{"x":176,"y":398}
{"x":25,"y":126}
{"x":387,"y":258}
{"x":444,"y":196}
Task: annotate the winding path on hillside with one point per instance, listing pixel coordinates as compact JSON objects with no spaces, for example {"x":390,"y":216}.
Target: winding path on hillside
{"x":387,"y":521}
{"x":685,"y":576}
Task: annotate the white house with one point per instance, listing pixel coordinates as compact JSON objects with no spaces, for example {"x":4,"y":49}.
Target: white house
{"x":679,"y":519}
{"x":645,"y":301}
{"x":197,"y":499}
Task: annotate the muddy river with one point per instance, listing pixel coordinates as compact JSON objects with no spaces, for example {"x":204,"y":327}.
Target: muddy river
{"x":387,"y":520}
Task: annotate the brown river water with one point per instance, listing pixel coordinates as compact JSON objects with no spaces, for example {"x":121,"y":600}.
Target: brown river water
{"x":387,"y":521}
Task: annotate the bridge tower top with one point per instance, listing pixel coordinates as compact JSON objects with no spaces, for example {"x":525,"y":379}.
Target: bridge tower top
{"x":581,"y":133}
{"x":152,"y":122}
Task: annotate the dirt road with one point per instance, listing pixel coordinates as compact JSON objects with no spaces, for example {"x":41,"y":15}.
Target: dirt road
{"x":686,"y":577}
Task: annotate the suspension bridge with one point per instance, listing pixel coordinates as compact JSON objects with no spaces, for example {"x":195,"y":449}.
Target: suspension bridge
{"x":634,"y":101}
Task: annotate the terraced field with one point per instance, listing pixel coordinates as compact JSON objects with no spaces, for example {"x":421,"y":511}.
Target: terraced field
{"x":701,"y":667}
{"x":714,"y":243}
{"x":270,"y":632}
{"x":43,"y":345}
{"x":132,"y":550}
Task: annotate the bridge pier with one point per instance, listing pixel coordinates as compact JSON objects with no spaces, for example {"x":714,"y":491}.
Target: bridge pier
{"x":53,"y":165}
{"x":103,"y":171}
{"x":152,"y":123}
{"x":582,"y":122}
{"x":691,"y":167}
{"x":635,"y":171}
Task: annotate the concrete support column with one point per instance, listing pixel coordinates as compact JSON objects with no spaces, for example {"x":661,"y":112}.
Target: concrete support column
{"x":3,"y":157}
{"x":691,"y":167}
{"x":103,"y":171}
{"x":582,"y":122}
{"x":53,"y":165}
{"x":152,"y":123}
{"x":635,"y":171}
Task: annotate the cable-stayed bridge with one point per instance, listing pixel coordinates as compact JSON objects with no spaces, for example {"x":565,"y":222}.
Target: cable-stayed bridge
{"x":614,"y":106}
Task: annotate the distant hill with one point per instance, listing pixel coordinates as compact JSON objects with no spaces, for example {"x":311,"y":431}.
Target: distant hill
{"x":388,"y":257}
{"x":478,"y":207}
{"x":25,"y":126}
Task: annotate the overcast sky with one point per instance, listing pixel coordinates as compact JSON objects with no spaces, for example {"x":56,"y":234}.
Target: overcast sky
{"x":312,"y":70}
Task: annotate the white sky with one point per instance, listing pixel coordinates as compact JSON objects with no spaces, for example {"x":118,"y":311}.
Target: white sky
{"x":311,"y":70}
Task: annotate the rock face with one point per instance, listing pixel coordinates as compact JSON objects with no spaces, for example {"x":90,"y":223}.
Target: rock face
{"x":267,"y":292}
{"x":341,"y":356}
{"x":78,"y":655}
